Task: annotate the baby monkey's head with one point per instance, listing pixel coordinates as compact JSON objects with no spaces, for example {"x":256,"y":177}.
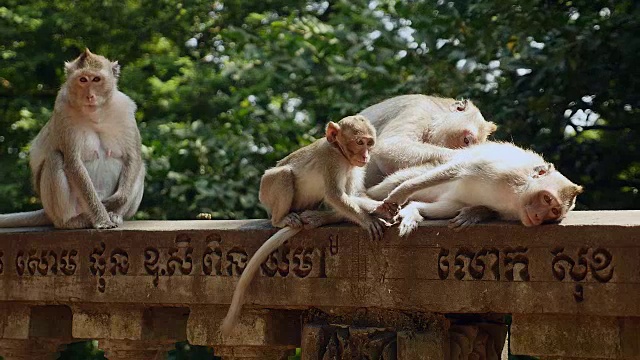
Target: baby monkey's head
{"x":354,"y":136}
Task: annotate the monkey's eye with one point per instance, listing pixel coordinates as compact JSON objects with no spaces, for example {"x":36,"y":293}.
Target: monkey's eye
{"x":547,"y":199}
{"x":96,"y":79}
{"x":466,"y":140}
{"x":370,"y":143}
{"x":83,"y":79}
{"x":360,"y":142}
{"x":555,"y":211}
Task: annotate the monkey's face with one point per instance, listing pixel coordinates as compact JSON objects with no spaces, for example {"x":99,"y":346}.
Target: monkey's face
{"x":354,"y":136}
{"x":357,"y":150}
{"x":550,"y":198}
{"x":90,"y":89}
{"x":460,"y":129}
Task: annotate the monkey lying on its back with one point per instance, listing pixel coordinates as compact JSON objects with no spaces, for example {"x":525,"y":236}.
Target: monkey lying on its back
{"x":480,"y":182}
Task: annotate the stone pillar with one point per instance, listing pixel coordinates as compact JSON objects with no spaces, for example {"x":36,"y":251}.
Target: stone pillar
{"x":36,"y":349}
{"x":136,"y":349}
{"x":259,"y":334}
{"x":253,"y":352}
{"x":558,"y":336}
{"x":33,"y":332}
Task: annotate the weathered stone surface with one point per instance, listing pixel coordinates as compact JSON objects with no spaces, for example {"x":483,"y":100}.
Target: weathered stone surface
{"x":477,"y":341}
{"x":253,"y":352}
{"x":156,"y":282}
{"x":139,"y":350}
{"x":36,"y":349}
{"x":258,"y":328}
{"x":575,"y":336}
{"x":580,"y":266}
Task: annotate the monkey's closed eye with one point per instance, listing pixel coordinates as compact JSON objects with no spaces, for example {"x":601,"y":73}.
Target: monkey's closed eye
{"x":96,"y":79}
{"x":555,"y":211}
{"x":83,"y":79}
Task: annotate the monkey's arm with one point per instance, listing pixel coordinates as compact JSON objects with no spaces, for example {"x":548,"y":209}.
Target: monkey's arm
{"x":392,"y":181}
{"x":344,"y":204}
{"x":403,"y":151}
{"x":471,"y":215}
{"x":132,"y":164}
{"x":78,"y":177}
{"x":401,"y":194}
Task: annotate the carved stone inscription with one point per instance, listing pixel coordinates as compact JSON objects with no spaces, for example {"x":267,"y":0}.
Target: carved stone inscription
{"x":512,"y":264}
{"x":46,"y":262}
{"x":118,"y":264}
{"x":598,"y":263}
{"x":298,"y":261}
{"x":178,"y":260}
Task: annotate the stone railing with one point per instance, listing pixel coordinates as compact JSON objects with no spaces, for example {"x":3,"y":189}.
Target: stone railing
{"x":572,"y":290}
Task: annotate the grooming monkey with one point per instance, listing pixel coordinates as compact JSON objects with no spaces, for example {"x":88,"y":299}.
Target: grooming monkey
{"x":419,"y":129}
{"x":330,"y":170}
{"x":478,"y":183}
{"x":86,"y":161}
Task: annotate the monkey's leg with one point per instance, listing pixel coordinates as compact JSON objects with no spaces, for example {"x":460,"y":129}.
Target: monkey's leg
{"x":277,"y":190}
{"x":58,"y":199}
{"x":129,"y":208}
{"x":351,"y":210}
{"x":392,"y":181}
{"x":436,"y":176}
{"x":471,"y":215}
{"x":416,"y":211}
{"x":316,"y":218}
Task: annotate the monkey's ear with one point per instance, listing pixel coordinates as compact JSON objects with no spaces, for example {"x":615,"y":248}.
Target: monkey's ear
{"x":115,"y":68}
{"x":332,"y":132}
{"x":578,"y":190}
{"x":491,"y":127}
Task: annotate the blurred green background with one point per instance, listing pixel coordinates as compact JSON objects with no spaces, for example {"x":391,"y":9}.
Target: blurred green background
{"x":226,"y":88}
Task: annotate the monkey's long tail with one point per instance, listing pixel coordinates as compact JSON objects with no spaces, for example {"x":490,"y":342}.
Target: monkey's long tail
{"x":249,"y":273}
{"x":24,"y":219}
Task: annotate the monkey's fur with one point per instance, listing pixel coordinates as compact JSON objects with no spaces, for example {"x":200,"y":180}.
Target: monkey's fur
{"x":86,"y":161}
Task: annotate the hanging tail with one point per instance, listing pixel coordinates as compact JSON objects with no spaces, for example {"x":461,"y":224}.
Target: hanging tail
{"x":250,"y":272}
{"x":24,"y":219}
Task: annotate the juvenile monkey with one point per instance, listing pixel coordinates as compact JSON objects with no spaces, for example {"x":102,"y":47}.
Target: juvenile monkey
{"x":86,"y":161}
{"x":480,"y":182}
{"x":419,"y":129}
{"x":329,"y":171}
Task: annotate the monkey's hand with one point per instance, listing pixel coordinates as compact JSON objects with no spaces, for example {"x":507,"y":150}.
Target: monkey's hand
{"x":387,"y":210}
{"x":410,"y":219}
{"x":375,"y":228}
{"x":115,"y":202}
{"x":471,"y":215}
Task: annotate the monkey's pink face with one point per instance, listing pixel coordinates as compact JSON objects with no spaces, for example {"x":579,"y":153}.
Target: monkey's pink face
{"x":357,"y":150}
{"x":542,"y":206}
{"x":462,"y":139}
{"x":90,"y":89}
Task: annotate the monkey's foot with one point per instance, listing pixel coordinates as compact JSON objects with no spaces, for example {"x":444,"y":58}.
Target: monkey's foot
{"x":114,"y":202}
{"x":116,"y":218}
{"x":313,"y":218}
{"x":293,"y":220}
{"x":470,"y":215}
{"x":375,"y":228}
{"x":387,"y":211}
{"x":410,"y":219}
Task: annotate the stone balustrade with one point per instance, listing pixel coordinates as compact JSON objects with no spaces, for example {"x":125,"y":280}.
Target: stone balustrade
{"x":572,"y":290}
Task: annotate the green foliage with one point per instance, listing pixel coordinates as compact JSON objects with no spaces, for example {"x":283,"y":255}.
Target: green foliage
{"x":225,"y":89}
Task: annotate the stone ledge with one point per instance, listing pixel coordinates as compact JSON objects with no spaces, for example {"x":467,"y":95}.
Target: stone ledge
{"x":586,"y":265}
{"x":141,"y":287}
